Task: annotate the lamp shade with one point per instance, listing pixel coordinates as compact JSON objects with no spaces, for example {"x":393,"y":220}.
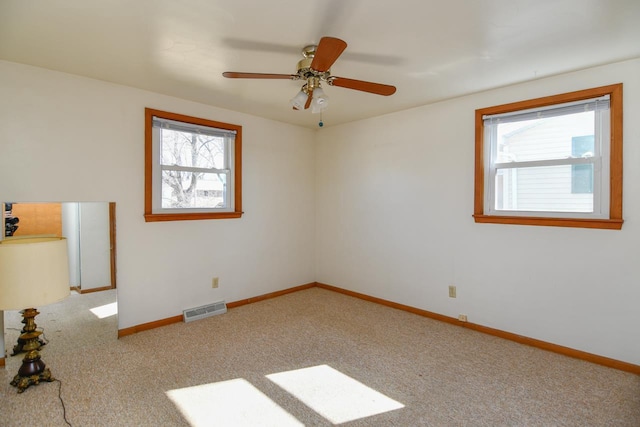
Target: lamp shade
{"x":320,"y":101}
{"x":299,"y":100}
{"x":33,"y":272}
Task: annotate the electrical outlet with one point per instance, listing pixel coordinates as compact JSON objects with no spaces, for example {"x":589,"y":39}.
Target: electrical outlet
{"x":214,"y":282}
{"x":452,"y":291}
{"x":462,"y":317}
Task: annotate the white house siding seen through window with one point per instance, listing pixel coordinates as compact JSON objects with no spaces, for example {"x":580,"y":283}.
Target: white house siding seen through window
{"x":539,"y":186}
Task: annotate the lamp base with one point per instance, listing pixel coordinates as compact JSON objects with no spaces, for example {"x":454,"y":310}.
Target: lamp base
{"x":31,"y":373}
{"x":28,"y":320}
{"x":33,"y":369}
{"x":19,"y":347}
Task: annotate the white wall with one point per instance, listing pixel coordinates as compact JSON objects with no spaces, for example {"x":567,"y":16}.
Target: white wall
{"x":393,"y":198}
{"x":66,"y":138}
{"x":394,"y":205}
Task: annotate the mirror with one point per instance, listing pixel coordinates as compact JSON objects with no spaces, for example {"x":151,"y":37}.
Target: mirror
{"x":90,"y":231}
{"x":89,"y":228}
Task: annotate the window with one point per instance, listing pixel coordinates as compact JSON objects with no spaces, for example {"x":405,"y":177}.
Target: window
{"x":553,"y":161}
{"x":192,"y":168}
{"x":582,"y":175}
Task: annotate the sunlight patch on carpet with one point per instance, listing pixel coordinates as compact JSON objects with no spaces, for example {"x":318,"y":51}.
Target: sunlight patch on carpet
{"x":233,"y":403}
{"x":106,"y":310}
{"x":334,"y":395}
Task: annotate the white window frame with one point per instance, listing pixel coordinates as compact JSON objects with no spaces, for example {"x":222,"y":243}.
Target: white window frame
{"x":607,"y":160}
{"x":600,"y":159}
{"x":155,"y":121}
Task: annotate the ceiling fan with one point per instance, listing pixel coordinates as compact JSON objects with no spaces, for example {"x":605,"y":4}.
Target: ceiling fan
{"x":314,"y":69}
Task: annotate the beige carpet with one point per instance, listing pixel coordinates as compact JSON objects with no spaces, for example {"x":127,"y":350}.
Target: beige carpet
{"x":314,"y":358}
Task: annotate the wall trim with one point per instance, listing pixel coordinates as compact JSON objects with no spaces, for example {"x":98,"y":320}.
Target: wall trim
{"x":270,"y":295}
{"x":150,"y":325}
{"x":176,"y":319}
{"x":88,"y":291}
{"x":555,"y":348}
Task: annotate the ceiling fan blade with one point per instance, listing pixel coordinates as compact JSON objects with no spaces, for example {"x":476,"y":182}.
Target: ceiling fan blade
{"x":377,"y":88}
{"x":236,"y":75}
{"x":309,"y":98}
{"x":328,"y":50}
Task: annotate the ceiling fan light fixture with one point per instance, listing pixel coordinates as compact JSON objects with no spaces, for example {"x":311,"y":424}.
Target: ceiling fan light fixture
{"x":299,"y":100}
{"x":320,"y":101}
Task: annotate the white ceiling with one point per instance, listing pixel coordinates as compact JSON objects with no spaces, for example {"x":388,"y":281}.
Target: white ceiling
{"x":429,"y":49}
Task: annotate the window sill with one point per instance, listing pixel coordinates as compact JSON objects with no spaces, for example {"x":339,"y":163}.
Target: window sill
{"x":608,"y":224}
{"x":191,"y":216}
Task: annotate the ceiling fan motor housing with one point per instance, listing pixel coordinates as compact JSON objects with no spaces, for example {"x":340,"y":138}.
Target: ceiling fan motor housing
{"x":304,"y":66}
{"x":305,"y":71}
{"x":309,"y":51}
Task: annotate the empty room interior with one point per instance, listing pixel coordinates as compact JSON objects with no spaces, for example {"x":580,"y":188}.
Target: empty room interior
{"x":410,"y":213}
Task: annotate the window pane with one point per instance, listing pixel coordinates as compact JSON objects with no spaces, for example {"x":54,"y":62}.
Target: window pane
{"x":192,"y":150}
{"x":545,"y":139}
{"x":193,"y":190}
{"x":548,"y":188}
{"x":582,"y":175}
{"x":582,"y":179}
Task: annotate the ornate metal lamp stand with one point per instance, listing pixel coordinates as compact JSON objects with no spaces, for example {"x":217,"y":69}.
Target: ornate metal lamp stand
{"x":33,"y":369}
{"x":29,"y":326}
